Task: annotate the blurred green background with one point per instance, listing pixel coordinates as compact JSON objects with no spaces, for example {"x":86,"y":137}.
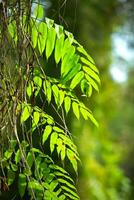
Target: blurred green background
{"x":106,"y":29}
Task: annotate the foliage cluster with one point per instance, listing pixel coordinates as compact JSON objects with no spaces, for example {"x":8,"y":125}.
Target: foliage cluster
{"x":35,"y":146}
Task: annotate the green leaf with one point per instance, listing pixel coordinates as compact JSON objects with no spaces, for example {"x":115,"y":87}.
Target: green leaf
{"x":38,"y":84}
{"x":8,"y":153}
{"x":83,"y":51}
{"x":53,"y":140}
{"x":93,"y":119}
{"x":56,"y":167}
{"x":69,"y":60}
{"x":50,"y":121}
{"x":77,"y":79}
{"x":91,"y":73}
{"x":73,"y":71}
{"x":91,"y":65}
{"x":61,"y":97}
{"x":89,"y":90}
{"x":86,"y":114}
{"x":71,"y":157}
{"x":42,"y":37}
{"x":92,"y":82}
{"x":35,"y":185}
{"x":59,"y":174}
{"x":53,"y":185}
{"x":26,"y":112}
{"x":67,"y":104}
{"x":59,"y":145}
{"x":68,"y":142}
{"x":22,"y":183}
{"x":50,"y":42}
{"x":13,"y":31}
{"x":10,"y":176}
{"x":59,"y":30}
{"x":70,"y":36}
{"x":76,"y":109}
{"x":38,"y":12}
{"x":18,"y":156}
{"x":47,"y":90}
{"x":63,"y":152}
{"x":56,"y":94}
{"x":71,"y":196}
{"x":66,"y":47}
{"x":62,"y":197}
{"x":30,"y":89}
{"x":58,"y":48}
{"x":14,"y":167}
{"x":46,"y":133}
{"x":57,"y":129}
{"x":58,"y":191}
{"x":86,"y":88}
{"x":36,"y":117}
{"x":70,"y":185}
{"x":38,"y":81}
{"x":29,"y":159}
{"x":34,"y":35}
{"x":70,"y":191}
{"x":49,"y":22}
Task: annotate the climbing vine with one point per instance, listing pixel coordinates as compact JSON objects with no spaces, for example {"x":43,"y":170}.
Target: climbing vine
{"x":35,"y":145}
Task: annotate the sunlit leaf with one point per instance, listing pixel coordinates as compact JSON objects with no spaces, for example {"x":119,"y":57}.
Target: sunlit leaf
{"x":51,"y":36}
{"x":30,"y":89}
{"x":42,"y":37}
{"x":92,"y":82}
{"x":91,"y":65}
{"x":66,"y":183}
{"x":76,"y":80}
{"x":73,"y":71}
{"x":8,"y":153}
{"x":67,"y":104}
{"x":69,"y":60}
{"x":49,"y":22}
{"x":66,"y":47}
{"x":47,"y":90}
{"x":38,"y":12}
{"x":76,"y":109}
{"x":70,"y":191}
{"x":36,"y":117}
{"x":34,"y":35}
{"x":71,"y":157}
{"x":61,"y":97}
{"x":91,"y":73}
{"x":53,"y":140}
{"x":13,"y":31}
{"x":70,"y":36}
{"x":58,"y":48}
{"x":56,"y":94}
{"x":63,"y":152}
{"x":83,"y":51}
{"x":93,"y":119}
{"x":59,"y":145}
{"x":46,"y":133}
{"x":26,"y":112}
